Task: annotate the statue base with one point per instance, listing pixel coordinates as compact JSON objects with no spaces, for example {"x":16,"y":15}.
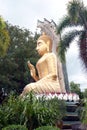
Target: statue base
{"x":62,"y":96}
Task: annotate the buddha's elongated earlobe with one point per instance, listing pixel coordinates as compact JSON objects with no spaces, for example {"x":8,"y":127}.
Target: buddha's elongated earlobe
{"x":48,"y":49}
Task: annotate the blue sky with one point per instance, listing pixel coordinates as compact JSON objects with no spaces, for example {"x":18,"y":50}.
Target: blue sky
{"x":25,"y":13}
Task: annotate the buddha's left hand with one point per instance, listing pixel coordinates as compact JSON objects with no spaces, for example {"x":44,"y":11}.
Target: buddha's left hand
{"x":32,"y":70}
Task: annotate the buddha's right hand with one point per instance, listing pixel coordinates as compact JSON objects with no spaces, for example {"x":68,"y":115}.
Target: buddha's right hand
{"x":32,"y":69}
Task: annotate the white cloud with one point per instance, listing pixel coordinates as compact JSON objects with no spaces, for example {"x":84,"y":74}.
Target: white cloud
{"x":25,"y":12}
{"x":75,"y":68}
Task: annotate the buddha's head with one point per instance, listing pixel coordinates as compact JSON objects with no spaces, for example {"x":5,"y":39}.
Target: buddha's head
{"x":44,"y":44}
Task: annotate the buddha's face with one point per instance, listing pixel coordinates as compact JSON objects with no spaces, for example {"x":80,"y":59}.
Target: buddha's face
{"x":41,"y":47}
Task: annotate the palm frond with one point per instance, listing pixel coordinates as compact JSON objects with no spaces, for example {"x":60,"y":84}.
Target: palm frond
{"x":69,"y":37}
{"x":83,"y":16}
{"x":83,"y":47}
{"x":77,"y":12}
{"x":73,"y":10}
{"x":61,"y":52}
{"x":64,"y":23}
{"x":85,"y":13}
{"x":66,"y":41}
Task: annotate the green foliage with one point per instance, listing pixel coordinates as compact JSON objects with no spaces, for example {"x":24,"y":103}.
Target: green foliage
{"x":65,"y":43}
{"x":85,"y":93}
{"x":84,"y":112}
{"x":14,"y":73}
{"x":73,"y":10}
{"x":10,"y":111}
{"x":63,"y":24}
{"x":2,"y":23}
{"x":30,"y":111}
{"x":4,"y":37}
{"x":61,"y":52}
{"x":41,"y":112}
{"x":15,"y":127}
{"x":47,"y":128}
{"x":75,"y":88}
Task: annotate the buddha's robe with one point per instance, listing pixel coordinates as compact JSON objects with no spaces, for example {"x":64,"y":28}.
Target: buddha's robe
{"x":48,"y":80}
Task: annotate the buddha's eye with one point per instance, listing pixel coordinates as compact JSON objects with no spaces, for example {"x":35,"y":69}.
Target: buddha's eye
{"x":39,"y":43}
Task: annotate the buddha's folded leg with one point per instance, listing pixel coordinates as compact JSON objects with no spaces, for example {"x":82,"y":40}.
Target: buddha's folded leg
{"x":34,"y":87}
{"x":28,"y":88}
{"x":42,"y":87}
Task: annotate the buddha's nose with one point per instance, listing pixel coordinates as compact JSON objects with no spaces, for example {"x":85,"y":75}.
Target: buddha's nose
{"x":36,"y":48}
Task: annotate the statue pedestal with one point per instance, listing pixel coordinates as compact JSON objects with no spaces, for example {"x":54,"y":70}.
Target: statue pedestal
{"x":62,"y":96}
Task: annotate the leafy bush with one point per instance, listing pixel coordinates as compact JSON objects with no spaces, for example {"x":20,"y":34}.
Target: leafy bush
{"x":84,"y":112}
{"x":15,"y":127}
{"x":10,"y":111}
{"x":30,"y":111}
{"x":49,"y":111}
{"x":47,"y":128}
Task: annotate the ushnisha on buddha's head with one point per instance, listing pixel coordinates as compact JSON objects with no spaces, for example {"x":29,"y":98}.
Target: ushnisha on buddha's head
{"x":44,"y":44}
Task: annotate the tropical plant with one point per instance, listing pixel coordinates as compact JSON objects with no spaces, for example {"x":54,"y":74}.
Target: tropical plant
{"x":85,"y":93}
{"x":31,"y":111}
{"x":4,"y":37}
{"x":15,"y":127}
{"x":10,"y":111}
{"x":41,"y":112}
{"x":76,"y":17}
{"x":84,"y":112}
{"x":47,"y":128}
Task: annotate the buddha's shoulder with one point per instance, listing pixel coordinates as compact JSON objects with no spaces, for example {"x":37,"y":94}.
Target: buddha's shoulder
{"x":51,"y":54}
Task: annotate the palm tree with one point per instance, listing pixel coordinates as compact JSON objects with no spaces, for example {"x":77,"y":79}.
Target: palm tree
{"x":76,"y":17}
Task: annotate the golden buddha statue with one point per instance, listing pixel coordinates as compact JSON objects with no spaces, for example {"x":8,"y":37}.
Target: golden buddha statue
{"x":47,"y":78}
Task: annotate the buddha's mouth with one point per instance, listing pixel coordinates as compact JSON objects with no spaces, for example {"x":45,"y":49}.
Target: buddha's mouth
{"x":38,"y":51}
